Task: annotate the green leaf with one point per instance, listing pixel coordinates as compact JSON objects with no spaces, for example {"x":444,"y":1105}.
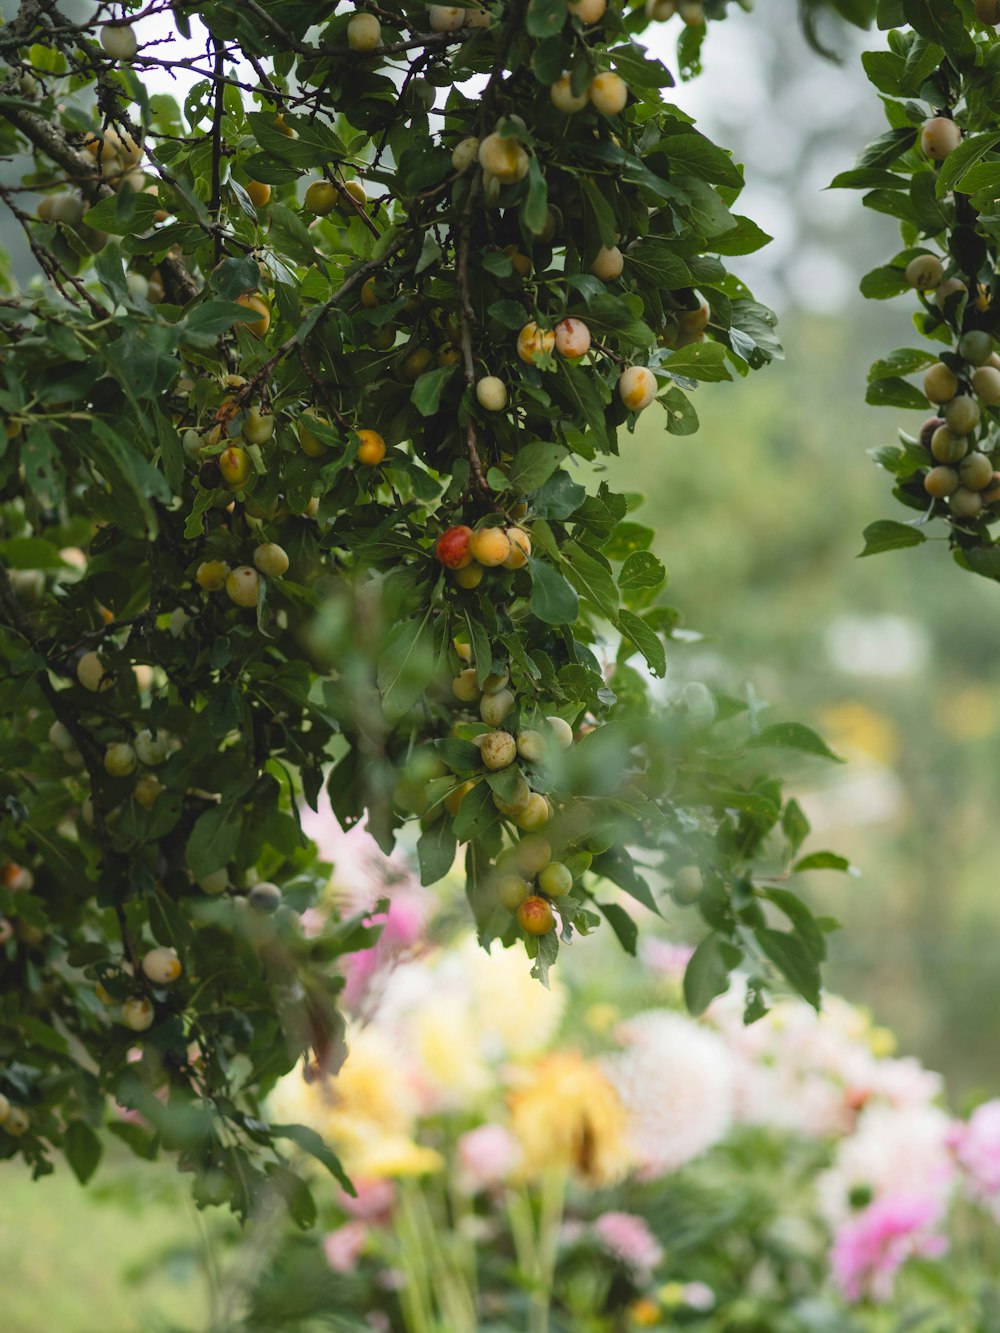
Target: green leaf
{"x":707,"y":972}
{"x":405,"y":666}
{"x":823,"y":861}
{"x":30,"y":553}
{"x":792,"y":736}
{"x":794,"y":825}
{"x":476,"y":814}
{"x":646,"y":640}
{"x":895,"y":392}
{"x":641,"y":570}
{"x":461,"y":756}
{"x":904,"y":361}
{"x":793,"y":960}
{"x":626,"y":931}
{"x":881,"y":284}
{"x":214,"y":839}
{"x":426,"y":392}
{"x":436,"y":849}
{"x":592,"y":580}
{"x":534,"y":464}
{"x":536,"y":206}
{"x":888,"y":535}
{"x":960,"y":159}
{"x":545,"y":18}
{"x":888,"y":147}
{"x":310,"y":1142}
{"x":553,"y":600}
{"x":699,"y":361}
{"x":82,"y":1148}
{"x":744,"y":239}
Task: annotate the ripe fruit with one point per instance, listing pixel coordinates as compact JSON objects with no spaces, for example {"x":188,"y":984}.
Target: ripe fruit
{"x":16,"y":878}
{"x":986,"y":383}
{"x":572,"y":339}
{"x":561,"y":732}
{"x":364,"y":32}
{"x":259,"y":193}
{"x":965,"y":503}
{"x":465,"y":687}
{"x":518,"y":800}
{"x":465,"y":152}
{"x":215,"y":882}
{"x":535,"y":814}
{"x":688,"y":885}
{"x":490,"y":546}
{"x":948,"y":448}
{"x":162,"y":966}
{"x":924,"y":272}
{"x":453,"y":549}
{"x":309,"y":442}
{"x":243,"y":586}
{"x":119,"y":759}
{"x":495,"y":682}
{"x":258,"y":327}
{"x":976,"y":471}
{"x":535,"y":916}
{"x":445,"y":18}
{"x":321,"y":198}
{"x":470,"y":577}
{"x":271,"y":559}
{"x":608,"y":263}
{"x":91,"y":674}
{"x":563,"y":97}
{"x":637,"y":388}
{"x":533,"y":342}
{"x":264,"y":897}
{"x":412,"y":362}
{"x":531,"y":746}
{"x":258,"y":426}
{"x":138,"y":1013}
{"x":503,"y":158}
{"x":235,"y":466}
{"x":938,"y":137}
{"x":151,"y":750}
{"x":511,"y":891}
{"x":520,"y":262}
{"x":491,"y":393}
{"x":498,"y":749}
{"x":119,"y":41}
{"x":555,"y":879}
{"x":372,"y":448}
{"x":211,"y":575}
{"x":587,"y":11}
{"x":497,"y":707}
{"x":976,"y":347}
{"x":962,"y":414}
{"x":520,"y":549}
{"x":608,"y":93}
{"x":940,"y":383}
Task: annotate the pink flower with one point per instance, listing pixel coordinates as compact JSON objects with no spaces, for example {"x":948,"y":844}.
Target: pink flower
{"x":343,"y":1247}
{"x":629,"y":1239}
{"x":977,"y":1151}
{"x":487,"y":1156}
{"x":666,"y":958}
{"x":373,"y":1202}
{"x":869,"y":1250}
{"x":402,"y":926}
{"x":699,"y":1296}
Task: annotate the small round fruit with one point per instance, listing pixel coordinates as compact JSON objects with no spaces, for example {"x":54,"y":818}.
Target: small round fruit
{"x":258,"y":426}
{"x":258,"y":327}
{"x":138,"y":1013}
{"x":371,"y":448}
{"x":490,"y":546}
{"x":949,"y":288}
{"x":17,"y":1122}
{"x":496,"y":708}
{"x":495,"y":682}
{"x":962,"y":414}
{"x":535,"y":815}
{"x":504,"y":158}
{"x":211,"y":575}
{"x":364,"y":32}
{"x":499,"y":750}
{"x":60,"y":737}
{"x":445,"y":18}
{"x":986,"y":383}
{"x":940,"y":383}
{"x":151,"y":750}
{"x":939,"y":137}
{"x":235,"y":466}
{"x":520,"y":549}
{"x":520,"y":798}
{"x":491,"y":393}
{"x":572,"y":339}
{"x":217,"y":881}
{"x":309,"y":442}
{"x":271,"y":560}
{"x":688,"y":884}
{"x":465,"y":153}
{"x":350,"y":198}
{"x":532,"y":746}
{"x":563,"y":97}
{"x":928,"y":430}
{"x":243,"y":586}
{"x":965,"y":503}
{"x":560,"y":731}
{"x":608,"y":93}
{"x":534,"y":343}
{"x":162,"y":966}
{"x":264,"y":897}
{"x":511,"y":892}
{"x":948,"y":448}
{"x":321,"y":198}
{"x":464,"y":687}
{"x":469,"y":577}
{"x":91,"y":674}
{"x":555,"y":879}
{"x":925,"y":272}
{"x":452,"y":548}
{"x":535,"y":916}
{"x":119,"y":760}
{"x":587,"y":11}
{"x":608,"y":263}
{"x":16,"y":878}
{"x":976,"y":347}
{"x":976,"y":471}
{"x":637,"y":388}
{"x":456,"y":796}
{"x":65,"y":208}
{"x":412,"y":362}
{"x":147,"y":791}
{"x":259,"y":192}
{"x":119,"y":41}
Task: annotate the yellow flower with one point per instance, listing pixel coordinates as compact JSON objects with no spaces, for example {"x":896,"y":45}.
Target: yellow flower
{"x":516,"y":1017}
{"x":447,"y":1048}
{"x":566,"y":1112}
{"x":396,"y":1156}
{"x":853,"y":728}
{"x":644,"y":1313}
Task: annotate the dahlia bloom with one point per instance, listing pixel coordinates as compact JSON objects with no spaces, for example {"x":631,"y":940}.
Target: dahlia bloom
{"x":629,"y":1239}
{"x":976,"y":1145}
{"x":869,"y":1250}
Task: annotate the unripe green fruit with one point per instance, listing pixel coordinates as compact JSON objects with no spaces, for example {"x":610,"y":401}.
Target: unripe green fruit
{"x":495,"y":682}
{"x":147,"y":791}
{"x":491,"y":393}
{"x":235,"y":466}
{"x":518,"y":801}
{"x":364,"y":32}
{"x":560,"y":731}
{"x":528,"y":856}
{"x":464,"y":686}
{"x":940,"y":383}
{"x":243,"y":586}
{"x":264,"y":897}
{"x":17,"y":1122}
{"x":578,"y":862}
{"x":216,"y":882}
{"x":60,"y":737}
{"x":965,"y":503}
{"x":555,"y":879}
{"x":495,"y":708}
{"x":138,"y":1013}
{"x":535,"y":814}
{"x":976,"y":471}
{"x":941,"y":482}
{"x":91,"y":674}
{"x":151,"y":750}
{"x":192,"y":443}
{"x":535,"y":916}
{"x":608,"y":263}
{"x":948,"y":448}
{"x":531,"y":746}
{"x":939,"y":137}
{"x":976,"y":347}
{"x":464,"y":154}
{"x":986,"y":383}
{"x":499,"y":750}
{"x":5,"y":1104}
{"x":320,"y":199}
{"x":119,"y":41}
{"x":119,"y":760}
{"x":271,"y":559}
{"x":962,"y":414}
{"x":258,"y":427}
{"x":925,"y":272}
{"x":511,"y":891}
{"x":688,"y":884}
{"x":162,"y":966}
